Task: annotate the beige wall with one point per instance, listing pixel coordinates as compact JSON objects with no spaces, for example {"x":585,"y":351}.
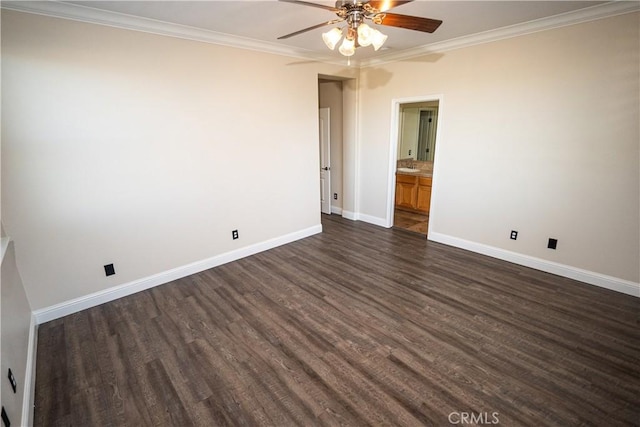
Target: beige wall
{"x":409,"y":125}
{"x":146,"y":151}
{"x":538,"y":134}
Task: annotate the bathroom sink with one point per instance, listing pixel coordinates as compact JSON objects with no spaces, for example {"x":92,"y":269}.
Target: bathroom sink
{"x":408,"y":170}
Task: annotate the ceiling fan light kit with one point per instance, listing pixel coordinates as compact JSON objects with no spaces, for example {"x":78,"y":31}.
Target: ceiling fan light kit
{"x":348,"y":47}
{"x":332,"y":37}
{"x":378,"y":39}
{"x":358,"y":33}
{"x":366,"y":36}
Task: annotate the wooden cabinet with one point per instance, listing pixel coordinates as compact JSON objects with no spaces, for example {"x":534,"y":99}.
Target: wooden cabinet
{"x":423,"y":194}
{"x":406,"y":191}
{"x":413,"y":192}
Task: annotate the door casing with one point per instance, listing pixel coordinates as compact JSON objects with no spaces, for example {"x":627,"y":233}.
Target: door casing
{"x":393,"y":151}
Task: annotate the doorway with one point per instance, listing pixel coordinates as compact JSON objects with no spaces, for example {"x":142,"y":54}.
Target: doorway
{"x":427,"y":133}
{"x":331,"y":97}
{"x":412,"y":158}
{"x":324,"y":118}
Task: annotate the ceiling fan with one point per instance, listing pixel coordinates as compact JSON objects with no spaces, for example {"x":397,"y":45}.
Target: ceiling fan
{"x":358,"y":33}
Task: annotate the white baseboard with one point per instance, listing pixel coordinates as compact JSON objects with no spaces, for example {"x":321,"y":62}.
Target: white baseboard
{"x":336,"y":210}
{"x":382,"y":222}
{"x":28,"y":397}
{"x":78,"y":304}
{"x":355,"y":216}
{"x":590,"y":277}
{"x":349,"y":215}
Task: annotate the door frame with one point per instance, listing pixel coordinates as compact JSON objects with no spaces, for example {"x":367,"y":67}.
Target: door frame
{"x":393,"y":151}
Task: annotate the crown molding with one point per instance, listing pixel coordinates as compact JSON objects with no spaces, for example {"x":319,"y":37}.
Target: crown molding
{"x":87,"y":14}
{"x":591,"y":13}
{"x":91,"y":15}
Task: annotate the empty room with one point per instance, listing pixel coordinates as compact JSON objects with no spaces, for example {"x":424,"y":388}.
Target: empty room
{"x":202,"y":207}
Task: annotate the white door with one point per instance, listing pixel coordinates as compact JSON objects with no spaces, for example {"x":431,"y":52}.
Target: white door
{"x":325,"y":168}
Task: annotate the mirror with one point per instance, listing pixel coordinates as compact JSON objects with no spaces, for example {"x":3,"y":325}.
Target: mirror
{"x":418,"y":127}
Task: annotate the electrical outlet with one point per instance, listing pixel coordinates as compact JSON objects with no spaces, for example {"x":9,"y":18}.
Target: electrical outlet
{"x":234,"y":234}
{"x":552,"y":243}
{"x":514,"y":234}
{"x":335,"y":196}
{"x":409,"y":152}
{"x":12,"y":380}
{"x":5,"y":418}
{"x":109,"y":270}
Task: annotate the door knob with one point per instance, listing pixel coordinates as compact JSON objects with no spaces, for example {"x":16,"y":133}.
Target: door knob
{"x":325,"y":168}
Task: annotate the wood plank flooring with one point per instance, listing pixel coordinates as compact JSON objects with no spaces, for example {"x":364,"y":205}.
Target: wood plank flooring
{"x":358,"y":326}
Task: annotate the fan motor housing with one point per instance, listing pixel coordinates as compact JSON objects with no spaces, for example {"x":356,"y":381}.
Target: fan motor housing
{"x":348,"y":3}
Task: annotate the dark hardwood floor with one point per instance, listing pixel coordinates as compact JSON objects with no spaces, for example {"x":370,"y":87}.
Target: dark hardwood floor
{"x":359,"y":325}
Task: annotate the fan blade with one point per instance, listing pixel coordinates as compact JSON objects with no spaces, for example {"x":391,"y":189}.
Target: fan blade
{"x":411,"y":22}
{"x":309,"y":29}
{"x":306,"y":3}
{"x":384,"y":5}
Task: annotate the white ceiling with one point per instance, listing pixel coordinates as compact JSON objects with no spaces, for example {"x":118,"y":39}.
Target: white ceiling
{"x":258,"y":24}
